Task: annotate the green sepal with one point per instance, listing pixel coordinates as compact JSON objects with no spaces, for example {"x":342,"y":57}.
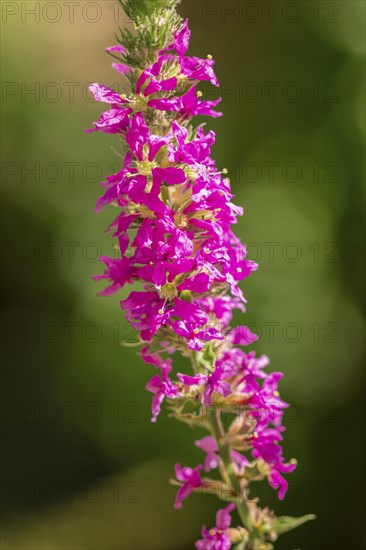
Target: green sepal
{"x":255,"y":471}
{"x":283,"y":524}
{"x":240,"y":546}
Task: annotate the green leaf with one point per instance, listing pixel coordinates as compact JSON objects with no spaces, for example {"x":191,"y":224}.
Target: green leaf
{"x":285,"y":523}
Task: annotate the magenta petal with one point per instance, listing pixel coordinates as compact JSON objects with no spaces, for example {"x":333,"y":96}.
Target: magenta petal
{"x":223,"y":518}
{"x":105,"y":94}
{"x":118,"y":48}
{"x":154,"y":384}
{"x":155,"y":144}
{"x":198,"y":283}
{"x":155,"y":86}
{"x":191,"y":480}
{"x":207,"y":444}
{"x":171,"y":175}
{"x":199,"y":69}
{"x":121,"y":68}
{"x":277,"y":481}
{"x":164,"y":104}
{"x":137,"y":135}
{"x":241,"y":336}
{"x":181,"y":39}
{"x":191,"y":380}
{"x":113,"y":121}
{"x":190,"y":312}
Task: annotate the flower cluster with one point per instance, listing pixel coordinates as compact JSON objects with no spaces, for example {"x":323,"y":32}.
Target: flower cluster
{"x":175,"y":238}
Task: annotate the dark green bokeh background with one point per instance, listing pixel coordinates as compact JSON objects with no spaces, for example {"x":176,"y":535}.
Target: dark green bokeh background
{"x":86,"y":469}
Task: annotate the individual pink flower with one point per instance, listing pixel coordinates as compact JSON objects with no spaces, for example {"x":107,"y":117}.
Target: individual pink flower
{"x":209,"y":445}
{"x":190,"y":479}
{"x":217,"y":538}
{"x":161,"y":387}
{"x":216,"y":381}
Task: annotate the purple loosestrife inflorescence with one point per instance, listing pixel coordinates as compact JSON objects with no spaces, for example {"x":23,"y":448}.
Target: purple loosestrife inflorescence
{"x":173,"y":227}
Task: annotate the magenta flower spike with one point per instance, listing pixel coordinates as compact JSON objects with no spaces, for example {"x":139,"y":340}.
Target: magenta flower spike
{"x":175,"y":238}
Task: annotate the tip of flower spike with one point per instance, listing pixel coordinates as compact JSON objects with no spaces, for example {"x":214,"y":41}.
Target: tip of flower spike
{"x":209,"y":56}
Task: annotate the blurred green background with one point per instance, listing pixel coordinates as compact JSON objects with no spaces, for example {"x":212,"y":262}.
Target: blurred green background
{"x":82,"y":466}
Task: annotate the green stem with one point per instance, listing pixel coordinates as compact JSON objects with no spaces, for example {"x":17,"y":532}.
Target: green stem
{"x":226,"y":467}
{"x":229,"y":473}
